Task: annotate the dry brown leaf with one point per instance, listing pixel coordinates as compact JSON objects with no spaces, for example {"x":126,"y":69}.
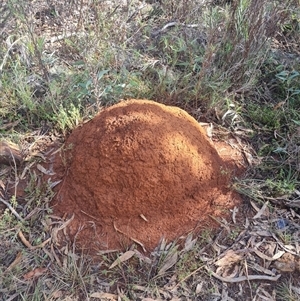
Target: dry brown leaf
{"x":35,"y":273}
{"x":53,"y":184}
{"x":229,"y":258}
{"x":189,"y":242}
{"x":262,"y":233}
{"x":25,"y":170}
{"x":54,"y":233}
{"x":265,"y":257}
{"x":104,"y":296}
{"x":169,"y":261}
{"x":44,"y":170}
{"x":127,"y":255}
{"x":199,"y":288}
{"x":70,"y":298}
{"x":228,"y":271}
{"x":287,"y":267}
{"x":264,"y":295}
{"x":57,"y":294}
{"x":217,"y":247}
{"x":139,"y":288}
{"x":259,"y":268}
{"x":277,"y":255}
{"x":104,"y":252}
{"x":254,"y":206}
{"x":270,"y":248}
{"x":279,"y":105}
{"x":15,"y":262}
{"x":247,"y":223}
{"x":142,"y":257}
{"x":262,"y":211}
{"x":287,"y":263}
{"x":139,"y":243}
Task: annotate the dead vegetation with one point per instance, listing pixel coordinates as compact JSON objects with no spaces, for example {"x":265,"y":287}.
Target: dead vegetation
{"x":233,"y":64}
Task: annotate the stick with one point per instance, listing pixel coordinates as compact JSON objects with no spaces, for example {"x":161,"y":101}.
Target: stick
{"x":29,"y":245}
{"x":243,"y":278}
{"x":25,"y":241}
{"x":13,"y":211}
{"x":134,"y":240}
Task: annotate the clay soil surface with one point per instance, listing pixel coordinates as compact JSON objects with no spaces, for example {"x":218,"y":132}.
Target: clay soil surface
{"x":140,"y":171}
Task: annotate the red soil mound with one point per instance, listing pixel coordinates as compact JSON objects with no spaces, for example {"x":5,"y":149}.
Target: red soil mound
{"x":139,"y":171}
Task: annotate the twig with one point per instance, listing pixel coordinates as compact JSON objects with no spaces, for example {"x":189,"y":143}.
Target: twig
{"x":172,"y":24}
{"x":16,"y":172}
{"x":29,"y":245}
{"x":133,"y":239}
{"x":25,"y":241}
{"x":242,"y":278}
{"x":8,"y":51}
{"x":88,"y":215}
{"x":14,"y":263}
{"x":13,"y":211}
{"x":13,"y":297}
{"x":221,"y":223}
{"x":42,"y":245}
{"x":55,"y":256}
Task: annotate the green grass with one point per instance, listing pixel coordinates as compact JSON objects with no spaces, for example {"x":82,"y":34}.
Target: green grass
{"x":288,"y":292}
{"x":232,"y":63}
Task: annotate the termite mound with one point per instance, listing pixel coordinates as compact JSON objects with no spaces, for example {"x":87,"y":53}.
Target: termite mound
{"x":139,"y":171}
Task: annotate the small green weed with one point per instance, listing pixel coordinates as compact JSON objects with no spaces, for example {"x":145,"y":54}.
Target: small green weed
{"x":264,"y":116}
{"x":288,"y":292}
{"x":68,"y":119}
{"x":59,"y":66}
{"x":187,"y":264}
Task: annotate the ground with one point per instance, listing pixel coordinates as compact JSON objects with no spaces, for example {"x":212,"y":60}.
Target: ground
{"x":232,"y":65}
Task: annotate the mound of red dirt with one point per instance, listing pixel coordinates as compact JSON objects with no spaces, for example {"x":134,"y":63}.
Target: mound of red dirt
{"x":140,"y":171}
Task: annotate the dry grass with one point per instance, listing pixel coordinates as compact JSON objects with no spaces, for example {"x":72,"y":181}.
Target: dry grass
{"x":232,"y":63}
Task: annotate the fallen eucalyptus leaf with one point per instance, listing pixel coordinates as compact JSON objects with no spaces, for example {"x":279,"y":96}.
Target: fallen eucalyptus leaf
{"x":44,"y":170}
{"x":35,"y":273}
{"x":229,"y":258}
{"x":127,"y":255}
{"x":104,"y":296}
{"x":169,"y":261}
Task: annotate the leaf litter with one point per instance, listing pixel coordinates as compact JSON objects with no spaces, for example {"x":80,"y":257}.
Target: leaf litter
{"x":267,"y":255}
{"x":258,"y":252}
{"x":127,"y":255}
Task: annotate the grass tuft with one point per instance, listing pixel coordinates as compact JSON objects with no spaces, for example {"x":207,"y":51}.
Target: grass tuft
{"x":234,"y":64}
